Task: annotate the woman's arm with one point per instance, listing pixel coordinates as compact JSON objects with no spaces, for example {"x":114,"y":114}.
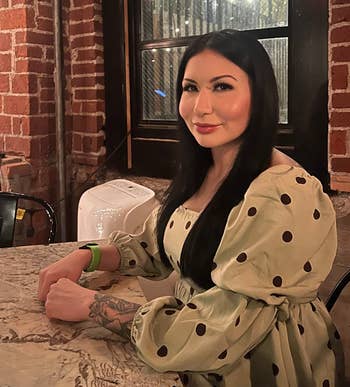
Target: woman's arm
{"x":72,"y":265}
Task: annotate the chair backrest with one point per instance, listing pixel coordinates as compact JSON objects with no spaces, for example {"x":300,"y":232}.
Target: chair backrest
{"x":8,"y":213}
{"x":337,"y":290}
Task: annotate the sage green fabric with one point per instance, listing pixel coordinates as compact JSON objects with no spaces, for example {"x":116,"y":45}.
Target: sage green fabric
{"x":262,"y":323}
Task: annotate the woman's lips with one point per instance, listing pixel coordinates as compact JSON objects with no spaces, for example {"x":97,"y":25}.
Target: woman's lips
{"x":205,"y":129}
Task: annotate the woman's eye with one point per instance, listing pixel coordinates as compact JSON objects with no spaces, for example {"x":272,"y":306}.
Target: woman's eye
{"x":222,"y":86}
{"x":189,"y":87}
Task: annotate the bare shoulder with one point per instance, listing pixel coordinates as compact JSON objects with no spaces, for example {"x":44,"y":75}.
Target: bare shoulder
{"x":279,"y":157}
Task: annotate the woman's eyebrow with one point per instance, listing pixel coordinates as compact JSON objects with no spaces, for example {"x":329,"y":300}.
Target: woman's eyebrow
{"x":213,"y":79}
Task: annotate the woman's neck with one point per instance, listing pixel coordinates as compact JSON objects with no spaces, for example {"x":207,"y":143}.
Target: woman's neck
{"x":223,"y":159}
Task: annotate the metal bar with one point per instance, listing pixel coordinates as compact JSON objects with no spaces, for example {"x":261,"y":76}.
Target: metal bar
{"x":59,"y":106}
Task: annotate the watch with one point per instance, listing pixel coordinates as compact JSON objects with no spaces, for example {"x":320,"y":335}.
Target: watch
{"x":95,"y":255}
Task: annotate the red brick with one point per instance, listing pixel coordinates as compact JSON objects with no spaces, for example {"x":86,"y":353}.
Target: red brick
{"x":34,"y":66}
{"x":18,"y":169}
{"x":5,"y":63}
{"x":47,"y":95}
{"x":47,"y":107}
{"x":82,"y":3}
{"x":42,"y":125}
{"x":88,"y":94}
{"x":17,"y":18}
{"x":5,"y":124}
{"x":341,"y":164}
{"x":87,"y":81}
{"x":5,"y":42}
{"x":86,"y":13}
{"x":86,"y":41}
{"x":340,"y":75}
{"x":341,"y":54}
{"x":47,"y":82}
{"x":24,"y":84}
{"x":45,"y":10}
{"x":92,"y":160}
{"x":77,"y":142}
{"x":18,"y":144}
{"x":340,"y":119}
{"x":4,"y":83}
{"x":85,"y":27}
{"x":88,"y":68}
{"x":32,"y":37}
{"x":90,"y":54}
{"x":341,"y":100}
{"x":20,"y":125}
{"x":340,"y":15}
{"x":88,"y":123}
{"x":24,"y":51}
{"x":340,"y":34}
{"x":4,"y":3}
{"x":88,"y":107}
{"x":338,"y":142}
{"x":50,"y":53}
{"x":45,"y":24}
{"x":16,"y":104}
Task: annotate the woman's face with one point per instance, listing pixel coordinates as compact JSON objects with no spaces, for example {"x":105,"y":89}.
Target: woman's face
{"x":216,"y":99}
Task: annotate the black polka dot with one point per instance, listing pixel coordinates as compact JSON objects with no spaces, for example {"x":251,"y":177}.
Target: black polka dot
{"x":185,"y":379}
{"x":275,"y":369}
{"x":238,"y":321}
{"x":316,"y":214}
{"x":162,"y":351}
{"x":247,"y":355}
{"x":214,"y":266}
{"x":132,"y":262}
{"x":277,"y":281}
{"x":171,"y":224}
{"x":337,"y":335}
{"x":313,"y":307}
{"x":169,"y":312}
{"x":325,"y":383}
{"x":287,"y":236}
{"x":242,"y":257}
{"x":191,"y":305}
{"x":200,"y":329}
{"x":329,"y":345}
{"x":191,"y":291}
{"x":144,"y":245}
{"x":188,"y":224}
{"x":300,"y":180}
{"x":301,"y":329}
{"x":285,"y":199}
{"x":179,"y":302}
{"x":252,"y":211}
{"x":217,"y":377}
{"x":307,"y":267}
{"x":223,"y":355}
{"x":144,"y":312}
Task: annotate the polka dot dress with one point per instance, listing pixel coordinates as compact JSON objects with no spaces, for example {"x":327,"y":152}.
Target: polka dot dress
{"x":262,"y":323}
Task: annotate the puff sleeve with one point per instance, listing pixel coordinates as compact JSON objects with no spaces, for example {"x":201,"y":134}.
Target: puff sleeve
{"x":139,"y":253}
{"x":278,"y":245}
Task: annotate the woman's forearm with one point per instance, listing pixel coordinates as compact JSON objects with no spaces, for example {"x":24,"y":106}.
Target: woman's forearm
{"x":113,"y":313}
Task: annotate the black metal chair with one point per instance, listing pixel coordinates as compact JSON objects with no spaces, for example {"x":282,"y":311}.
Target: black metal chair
{"x":337,"y":290}
{"x":9,"y":212}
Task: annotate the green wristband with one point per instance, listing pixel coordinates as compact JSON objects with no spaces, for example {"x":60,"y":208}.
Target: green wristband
{"x":96,"y":256}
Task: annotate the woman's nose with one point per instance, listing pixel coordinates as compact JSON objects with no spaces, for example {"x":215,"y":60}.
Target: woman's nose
{"x":203,"y":103}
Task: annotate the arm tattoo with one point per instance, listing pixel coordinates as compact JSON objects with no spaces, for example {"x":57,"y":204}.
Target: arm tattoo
{"x":113,"y":313}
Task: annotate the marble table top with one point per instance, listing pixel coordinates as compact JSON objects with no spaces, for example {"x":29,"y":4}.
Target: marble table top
{"x":38,"y":352}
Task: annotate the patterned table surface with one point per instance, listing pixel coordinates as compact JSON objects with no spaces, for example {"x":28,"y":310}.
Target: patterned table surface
{"x":37,"y":352}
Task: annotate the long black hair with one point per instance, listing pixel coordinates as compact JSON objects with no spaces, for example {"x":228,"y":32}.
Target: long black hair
{"x":253,"y":157}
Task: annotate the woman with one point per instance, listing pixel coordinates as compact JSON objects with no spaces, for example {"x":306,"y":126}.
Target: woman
{"x":249,"y":232}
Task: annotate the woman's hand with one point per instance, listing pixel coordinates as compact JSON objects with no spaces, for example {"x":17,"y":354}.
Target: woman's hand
{"x":68,"y":301}
{"x":70,"y":267}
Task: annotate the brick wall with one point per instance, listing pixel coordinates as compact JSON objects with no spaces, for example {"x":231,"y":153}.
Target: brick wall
{"x":339,"y":94}
{"x":27,"y":99}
